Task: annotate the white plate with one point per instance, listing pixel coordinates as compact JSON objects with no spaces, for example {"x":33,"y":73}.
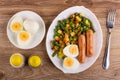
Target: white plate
{"x":36,"y":39}
{"x":97,"y":36}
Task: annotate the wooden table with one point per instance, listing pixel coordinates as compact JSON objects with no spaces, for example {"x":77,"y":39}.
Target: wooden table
{"x":49,"y":9}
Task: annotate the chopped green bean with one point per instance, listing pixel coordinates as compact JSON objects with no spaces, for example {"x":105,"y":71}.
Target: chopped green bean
{"x":54,"y":53}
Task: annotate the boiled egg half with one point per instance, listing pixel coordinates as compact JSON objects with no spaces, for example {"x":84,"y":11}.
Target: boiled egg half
{"x":16,"y":24}
{"x":31,"y":26}
{"x":23,"y":38}
{"x":71,"y":50}
{"x":70,"y":63}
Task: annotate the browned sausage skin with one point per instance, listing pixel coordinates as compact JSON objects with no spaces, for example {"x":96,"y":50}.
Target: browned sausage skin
{"x":82,"y":48}
{"x":90,"y":40}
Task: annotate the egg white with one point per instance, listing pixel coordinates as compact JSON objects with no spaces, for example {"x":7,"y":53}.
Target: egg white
{"x":68,"y":53}
{"x":16,"y":19}
{"x":72,"y":67}
{"x":23,"y":43}
{"x":31,"y":26}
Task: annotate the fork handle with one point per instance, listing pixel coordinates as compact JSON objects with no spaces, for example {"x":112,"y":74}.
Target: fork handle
{"x":106,"y":60}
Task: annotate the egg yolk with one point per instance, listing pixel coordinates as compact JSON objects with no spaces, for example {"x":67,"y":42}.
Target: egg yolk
{"x":34,"y":61}
{"x":73,"y":49}
{"x":24,"y":36}
{"x":16,"y":60}
{"x":68,"y":62}
{"x":16,"y":26}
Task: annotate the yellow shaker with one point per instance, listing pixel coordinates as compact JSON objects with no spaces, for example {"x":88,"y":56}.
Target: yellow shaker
{"x":34,"y":61}
{"x":17,"y":60}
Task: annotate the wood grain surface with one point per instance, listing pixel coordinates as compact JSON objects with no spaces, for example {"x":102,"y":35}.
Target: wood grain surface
{"x":48,"y":10}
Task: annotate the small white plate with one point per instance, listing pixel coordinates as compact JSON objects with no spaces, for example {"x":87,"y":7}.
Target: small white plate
{"x":36,"y":39}
{"x":97,"y":38}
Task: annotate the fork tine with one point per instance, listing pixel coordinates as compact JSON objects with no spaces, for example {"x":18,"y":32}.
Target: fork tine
{"x":113,"y":15}
{"x":109,"y":13}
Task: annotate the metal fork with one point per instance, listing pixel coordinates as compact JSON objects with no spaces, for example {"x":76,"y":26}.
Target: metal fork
{"x":110,"y":24}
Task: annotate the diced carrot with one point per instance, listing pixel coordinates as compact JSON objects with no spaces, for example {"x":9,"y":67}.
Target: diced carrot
{"x":55,"y":48}
{"x":66,"y":38}
{"x":57,"y":38}
{"x":69,"y":27}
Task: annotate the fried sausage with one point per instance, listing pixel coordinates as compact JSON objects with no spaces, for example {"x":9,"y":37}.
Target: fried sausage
{"x":82,"y":48}
{"x":90,"y":40}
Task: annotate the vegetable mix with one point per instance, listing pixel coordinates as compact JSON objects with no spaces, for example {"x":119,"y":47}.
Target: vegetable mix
{"x":67,"y":31}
